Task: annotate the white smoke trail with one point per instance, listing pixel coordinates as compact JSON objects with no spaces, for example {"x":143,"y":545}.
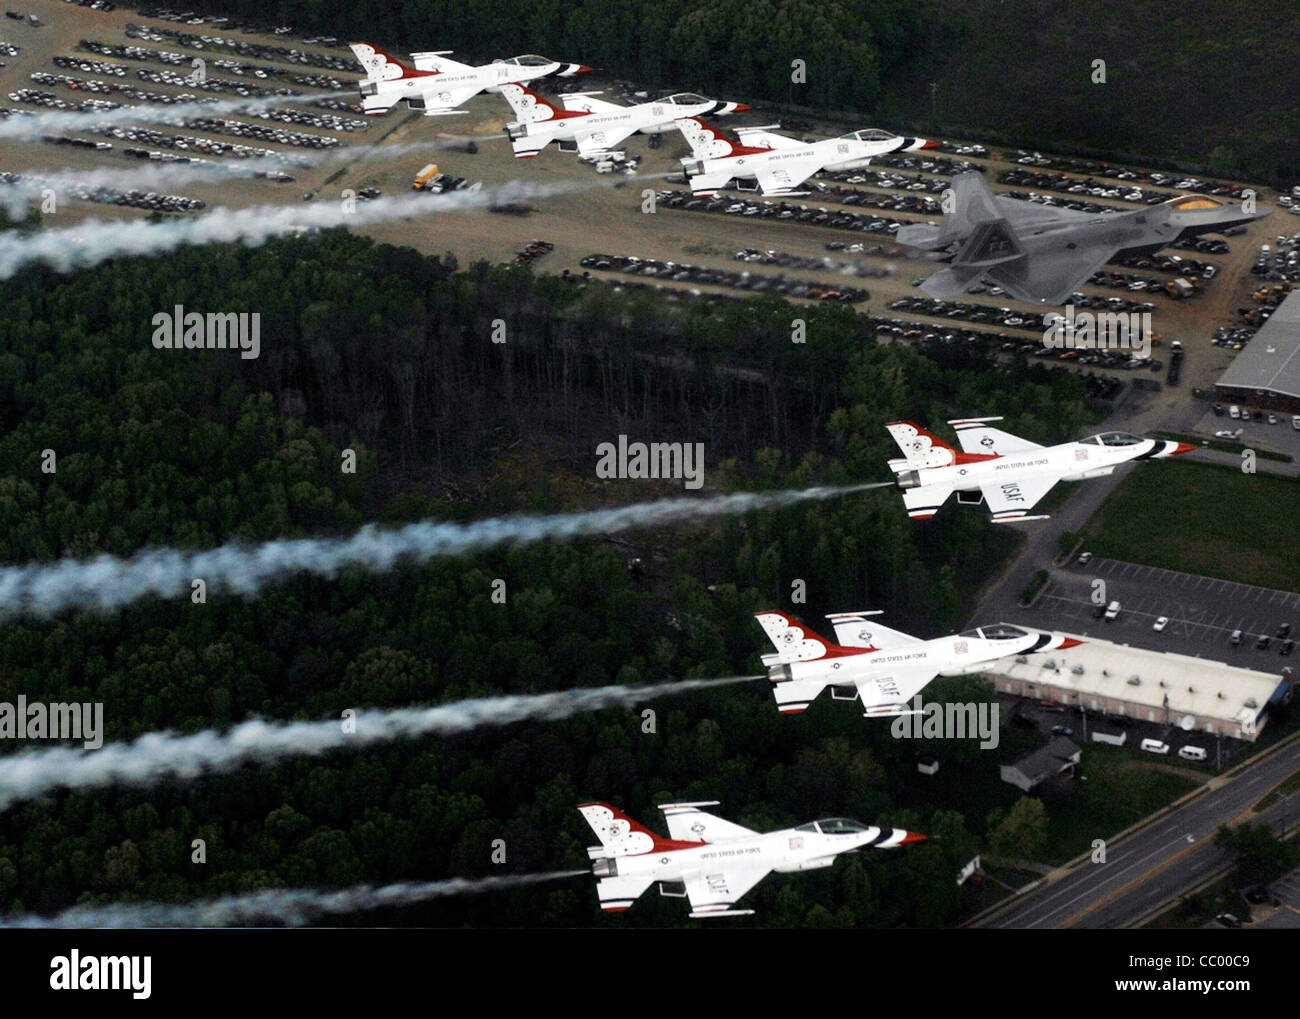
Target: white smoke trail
{"x":288,"y":907}
{"x":109,"y":582}
{"x":95,"y":240}
{"x":33,"y":126}
{"x":15,"y":197}
{"x":159,"y":755}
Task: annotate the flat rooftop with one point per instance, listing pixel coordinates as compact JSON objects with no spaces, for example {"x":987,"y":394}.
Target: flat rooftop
{"x":1271,"y":360}
{"x":1193,"y":686}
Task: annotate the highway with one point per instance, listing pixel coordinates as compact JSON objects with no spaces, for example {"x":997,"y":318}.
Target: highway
{"x":1158,"y":862}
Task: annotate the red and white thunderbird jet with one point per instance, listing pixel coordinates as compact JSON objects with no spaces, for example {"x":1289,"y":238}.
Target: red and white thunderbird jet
{"x":711,"y":861}
{"x":776,"y":163}
{"x":1009,"y":473}
{"x":881,"y":667}
{"x":437,"y":84}
{"x":595,"y":125}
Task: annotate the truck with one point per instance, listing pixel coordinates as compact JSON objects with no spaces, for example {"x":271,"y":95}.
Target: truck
{"x":1181,"y":287}
{"x":425,"y":178}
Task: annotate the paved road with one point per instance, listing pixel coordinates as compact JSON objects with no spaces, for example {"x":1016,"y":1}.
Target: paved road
{"x":1157,"y":863}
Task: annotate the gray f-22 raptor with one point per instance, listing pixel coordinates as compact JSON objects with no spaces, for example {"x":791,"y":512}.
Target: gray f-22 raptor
{"x":1041,"y":253}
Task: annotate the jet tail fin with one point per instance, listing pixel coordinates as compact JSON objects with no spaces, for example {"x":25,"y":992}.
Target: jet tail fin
{"x":380,"y":66}
{"x":795,"y":642}
{"x":970,"y":206}
{"x":619,"y":835}
{"x":531,"y":107}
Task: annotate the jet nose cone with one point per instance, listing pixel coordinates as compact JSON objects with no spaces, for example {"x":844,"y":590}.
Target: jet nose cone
{"x":912,"y":836}
{"x":1180,"y":448}
{"x":583,"y":69}
{"x":740,"y":108}
{"x":1067,"y":642}
{"x":932,"y":145}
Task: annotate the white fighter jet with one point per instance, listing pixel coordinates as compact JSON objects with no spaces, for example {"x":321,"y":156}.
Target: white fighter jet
{"x":1009,"y":473}
{"x":778,"y":164}
{"x":596,"y":125}
{"x":438,"y":84}
{"x":710,"y":861}
{"x":882,"y":668}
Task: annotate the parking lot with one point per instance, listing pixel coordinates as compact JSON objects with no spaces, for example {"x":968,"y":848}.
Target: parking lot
{"x":1280,"y":437}
{"x":1050,"y":719}
{"x":1203,"y":612}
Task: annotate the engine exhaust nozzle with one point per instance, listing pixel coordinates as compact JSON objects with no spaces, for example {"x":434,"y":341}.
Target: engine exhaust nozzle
{"x":779,"y":674}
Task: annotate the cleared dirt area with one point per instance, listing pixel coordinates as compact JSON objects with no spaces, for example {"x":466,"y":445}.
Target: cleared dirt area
{"x":589,"y":213}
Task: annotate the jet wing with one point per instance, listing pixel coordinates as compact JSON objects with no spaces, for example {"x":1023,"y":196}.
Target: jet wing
{"x":437,"y":62}
{"x":890,"y":695}
{"x":714,"y":891}
{"x":857,"y":629}
{"x":1049,"y":275}
{"x":441,"y":100}
{"x":591,"y":143}
{"x":787,"y":176}
{"x":977,"y":437}
{"x":585,"y":102}
{"x":688,"y":823}
{"x":1025,"y":215}
{"x":766,"y":139}
{"x":1008,"y":500}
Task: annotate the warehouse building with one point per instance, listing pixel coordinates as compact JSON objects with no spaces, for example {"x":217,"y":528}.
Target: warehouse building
{"x":1266,"y":373}
{"x":1194,"y":694}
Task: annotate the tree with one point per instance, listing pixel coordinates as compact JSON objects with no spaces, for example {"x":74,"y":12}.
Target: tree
{"x":1022,"y":832}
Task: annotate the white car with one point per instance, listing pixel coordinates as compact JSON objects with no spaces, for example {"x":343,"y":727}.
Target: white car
{"x":1160,"y":623}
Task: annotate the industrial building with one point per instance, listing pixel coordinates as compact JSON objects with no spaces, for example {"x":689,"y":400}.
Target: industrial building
{"x":1193,"y":694}
{"x":1266,"y":373}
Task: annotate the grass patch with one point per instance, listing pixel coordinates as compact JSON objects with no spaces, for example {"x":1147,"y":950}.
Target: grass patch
{"x":1113,"y":792}
{"x":1203,"y":519}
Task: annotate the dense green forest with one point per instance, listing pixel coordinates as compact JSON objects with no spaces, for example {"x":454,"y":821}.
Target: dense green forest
{"x":848,"y":46}
{"x":1209,"y":87}
{"x":387,"y":352}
